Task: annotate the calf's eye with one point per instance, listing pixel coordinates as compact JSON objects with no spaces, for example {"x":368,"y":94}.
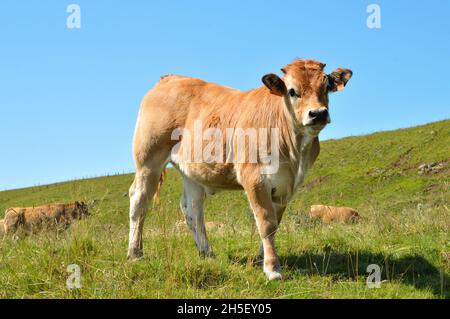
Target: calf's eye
{"x":292,"y":93}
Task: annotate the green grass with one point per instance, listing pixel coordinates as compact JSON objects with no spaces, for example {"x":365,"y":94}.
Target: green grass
{"x":404,"y":229}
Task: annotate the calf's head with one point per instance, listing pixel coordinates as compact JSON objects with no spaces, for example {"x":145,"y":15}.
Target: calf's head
{"x":317,"y":211}
{"x":305,"y":88}
{"x":81,"y":210}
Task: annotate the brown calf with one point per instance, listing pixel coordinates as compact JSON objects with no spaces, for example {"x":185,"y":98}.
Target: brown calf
{"x":295,"y":106}
{"x":33,"y":219}
{"x":329,"y":213}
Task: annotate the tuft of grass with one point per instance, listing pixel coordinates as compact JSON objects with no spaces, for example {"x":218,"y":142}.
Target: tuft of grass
{"x":404,"y":229}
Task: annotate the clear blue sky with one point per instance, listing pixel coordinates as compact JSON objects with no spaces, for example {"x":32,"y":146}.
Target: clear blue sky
{"x":69,"y":97}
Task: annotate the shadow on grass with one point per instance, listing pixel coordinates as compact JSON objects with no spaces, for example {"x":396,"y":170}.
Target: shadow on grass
{"x":411,"y":270}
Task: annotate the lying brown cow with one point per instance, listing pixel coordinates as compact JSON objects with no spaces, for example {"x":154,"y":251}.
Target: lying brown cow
{"x":329,"y":213}
{"x":33,"y":219}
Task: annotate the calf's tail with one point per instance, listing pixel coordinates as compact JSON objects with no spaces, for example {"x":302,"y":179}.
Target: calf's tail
{"x":157,"y":195}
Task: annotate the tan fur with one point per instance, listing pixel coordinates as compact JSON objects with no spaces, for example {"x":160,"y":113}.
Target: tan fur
{"x":34,"y":219}
{"x":179,"y":102}
{"x":2,"y":227}
{"x":210,"y":226}
{"x":329,"y":214}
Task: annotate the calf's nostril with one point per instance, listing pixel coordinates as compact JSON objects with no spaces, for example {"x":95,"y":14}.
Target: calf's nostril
{"x":312,"y":114}
{"x":318,"y":115}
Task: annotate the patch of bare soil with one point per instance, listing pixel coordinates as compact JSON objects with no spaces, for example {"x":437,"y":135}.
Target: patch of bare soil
{"x":403,"y":159}
{"x":434,"y":168}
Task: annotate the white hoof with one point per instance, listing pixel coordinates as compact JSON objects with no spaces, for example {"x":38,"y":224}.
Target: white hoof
{"x":273,"y":275}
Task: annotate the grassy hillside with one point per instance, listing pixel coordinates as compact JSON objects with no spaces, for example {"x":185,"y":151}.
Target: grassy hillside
{"x":405,"y":230}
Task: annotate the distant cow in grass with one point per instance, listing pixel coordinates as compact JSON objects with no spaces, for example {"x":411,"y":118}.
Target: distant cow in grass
{"x":34,"y":219}
{"x":294,"y":107}
{"x":328,"y":214}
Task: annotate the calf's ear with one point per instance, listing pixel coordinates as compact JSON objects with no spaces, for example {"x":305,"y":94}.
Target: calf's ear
{"x":274,"y":84}
{"x":338,"y":79}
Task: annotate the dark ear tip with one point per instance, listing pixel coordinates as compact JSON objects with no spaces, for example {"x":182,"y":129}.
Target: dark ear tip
{"x":346,"y":71}
{"x":268,"y":76}
{"x":349,"y":74}
{"x":274,"y":84}
{"x":268,"y":79}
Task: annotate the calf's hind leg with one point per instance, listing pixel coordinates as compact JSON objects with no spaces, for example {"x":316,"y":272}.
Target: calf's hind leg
{"x":192,"y":207}
{"x":143,"y":188}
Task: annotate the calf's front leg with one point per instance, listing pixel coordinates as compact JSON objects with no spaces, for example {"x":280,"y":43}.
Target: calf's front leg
{"x":279,"y":210}
{"x":259,"y":196}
